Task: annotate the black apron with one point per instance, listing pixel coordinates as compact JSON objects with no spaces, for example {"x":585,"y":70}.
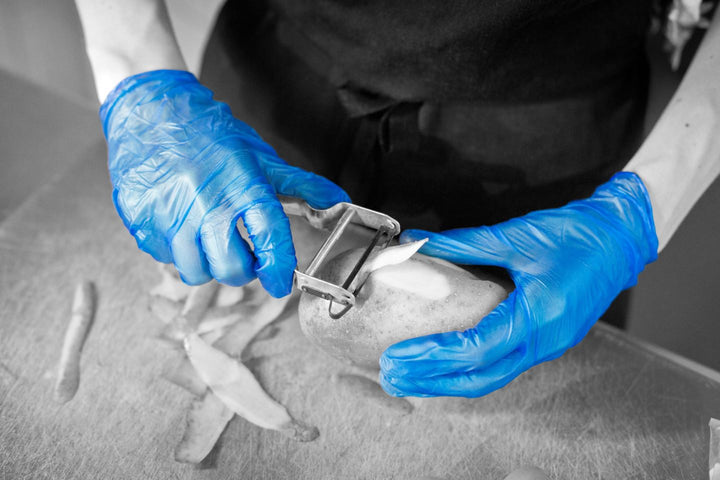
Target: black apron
{"x":441,"y":113}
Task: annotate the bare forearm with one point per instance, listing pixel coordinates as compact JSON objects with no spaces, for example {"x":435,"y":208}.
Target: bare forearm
{"x":126,"y":37}
{"x":681,"y":156}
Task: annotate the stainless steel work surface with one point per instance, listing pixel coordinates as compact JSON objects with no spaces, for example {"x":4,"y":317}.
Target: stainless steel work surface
{"x":610,"y":408}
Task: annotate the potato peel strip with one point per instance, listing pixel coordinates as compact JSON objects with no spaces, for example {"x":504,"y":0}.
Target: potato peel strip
{"x":388,"y":266}
{"x":237,"y":339}
{"x":385,"y":257}
{"x":83,"y":313}
{"x":393,"y":255}
{"x":206,"y":420}
{"x":234,"y":384}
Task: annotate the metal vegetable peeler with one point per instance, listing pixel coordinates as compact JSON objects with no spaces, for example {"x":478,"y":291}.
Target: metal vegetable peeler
{"x":337,"y":218}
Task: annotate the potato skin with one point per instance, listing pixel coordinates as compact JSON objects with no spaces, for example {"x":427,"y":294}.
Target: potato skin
{"x":385,"y":315}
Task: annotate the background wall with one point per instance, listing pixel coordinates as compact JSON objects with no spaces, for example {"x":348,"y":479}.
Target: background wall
{"x":45,"y":78}
{"x":41,"y":41}
{"x":41,"y":55}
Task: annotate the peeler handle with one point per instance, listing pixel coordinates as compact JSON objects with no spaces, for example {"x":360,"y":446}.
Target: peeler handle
{"x":328,"y":218}
{"x":321,"y":219}
{"x":295,"y":206}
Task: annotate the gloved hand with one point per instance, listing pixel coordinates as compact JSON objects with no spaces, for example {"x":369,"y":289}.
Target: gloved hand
{"x":568,"y":264}
{"x":184,"y":170}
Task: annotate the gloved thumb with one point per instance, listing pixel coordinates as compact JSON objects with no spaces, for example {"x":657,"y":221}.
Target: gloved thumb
{"x":468,"y":246}
{"x":476,"y":348}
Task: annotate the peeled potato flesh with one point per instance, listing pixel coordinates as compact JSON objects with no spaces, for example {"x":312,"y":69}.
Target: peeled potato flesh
{"x":418,"y":297}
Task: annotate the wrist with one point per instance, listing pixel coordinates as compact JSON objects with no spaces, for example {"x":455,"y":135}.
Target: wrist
{"x":625,"y":202}
{"x":111,"y":66}
{"x":126,"y":38}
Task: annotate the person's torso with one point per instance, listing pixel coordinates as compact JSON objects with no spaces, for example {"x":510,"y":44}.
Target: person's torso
{"x":440,"y":50}
{"x":472,"y":111}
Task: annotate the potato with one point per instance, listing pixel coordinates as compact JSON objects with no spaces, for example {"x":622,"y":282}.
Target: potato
{"x":420,"y":296}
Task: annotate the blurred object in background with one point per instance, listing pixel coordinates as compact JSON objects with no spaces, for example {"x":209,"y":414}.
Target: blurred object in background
{"x":714,"y":462}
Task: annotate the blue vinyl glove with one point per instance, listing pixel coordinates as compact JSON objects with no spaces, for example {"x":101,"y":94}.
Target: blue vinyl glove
{"x":568,"y":264}
{"x":184,"y":170}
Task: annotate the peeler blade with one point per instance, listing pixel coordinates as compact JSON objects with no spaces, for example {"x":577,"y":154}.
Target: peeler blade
{"x":337,"y":218}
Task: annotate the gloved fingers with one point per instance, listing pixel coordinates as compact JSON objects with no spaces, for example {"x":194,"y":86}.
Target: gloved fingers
{"x":493,"y":338}
{"x":470,"y":246}
{"x":149,"y":242}
{"x":188,"y":256}
{"x":229,"y":258}
{"x":147,"y":238}
{"x":475,"y":383}
{"x":317,"y":191}
{"x":269,"y":231}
